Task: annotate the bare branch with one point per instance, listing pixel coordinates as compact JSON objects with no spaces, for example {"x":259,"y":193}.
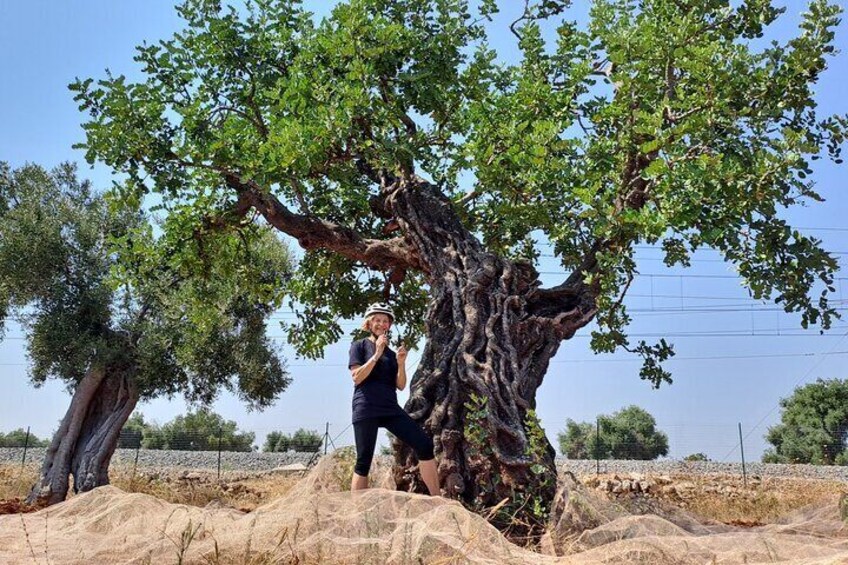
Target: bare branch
{"x":524,"y":15}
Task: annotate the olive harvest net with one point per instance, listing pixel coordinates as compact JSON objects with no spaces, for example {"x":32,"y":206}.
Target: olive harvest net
{"x":319,"y":521}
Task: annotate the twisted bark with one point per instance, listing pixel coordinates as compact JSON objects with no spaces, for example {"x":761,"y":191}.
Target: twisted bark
{"x":83,"y":445}
{"x":491,"y":332}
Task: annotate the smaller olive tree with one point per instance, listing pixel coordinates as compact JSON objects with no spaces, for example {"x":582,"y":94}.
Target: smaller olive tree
{"x":813,"y":426}
{"x":630,"y":433}
{"x":122,"y":311}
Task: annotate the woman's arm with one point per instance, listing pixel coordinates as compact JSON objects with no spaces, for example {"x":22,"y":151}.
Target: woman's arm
{"x":361,"y":372}
{"x":400,"y":382}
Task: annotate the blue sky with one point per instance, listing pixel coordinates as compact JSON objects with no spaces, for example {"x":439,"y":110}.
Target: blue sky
{"x":735,"y":358}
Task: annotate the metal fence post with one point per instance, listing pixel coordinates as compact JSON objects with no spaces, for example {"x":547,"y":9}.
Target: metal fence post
{"x":326,"y":437}
{"x":26,"y":444}
{"x":135,"y":463}
{"x":219,"y":453}
{"x":597,"y":446}
{"x":742,"y":449}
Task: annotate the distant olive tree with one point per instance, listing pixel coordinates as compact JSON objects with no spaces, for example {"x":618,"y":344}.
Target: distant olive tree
{"x":19,"y":438}
{"x":272,"y":441}
{"x":813,"y":426}
{"x":201,"y":430}
{"x":630,"y":433}
{"x":302,"y":440}
{"x":132,"y":434}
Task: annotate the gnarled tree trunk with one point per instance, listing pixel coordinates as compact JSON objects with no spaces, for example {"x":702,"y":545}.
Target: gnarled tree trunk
{"x":491,"y":332}
{"x":83,"y":445}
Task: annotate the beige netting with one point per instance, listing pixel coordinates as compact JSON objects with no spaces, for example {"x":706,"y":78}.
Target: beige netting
{"x":319,"y":522}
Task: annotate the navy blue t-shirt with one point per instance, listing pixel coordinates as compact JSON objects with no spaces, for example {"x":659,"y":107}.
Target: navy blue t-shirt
{"x":377,"y":395}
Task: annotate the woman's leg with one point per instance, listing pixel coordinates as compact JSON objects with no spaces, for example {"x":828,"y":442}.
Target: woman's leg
{"x":409,"y":432}
{"x":365,"y":432}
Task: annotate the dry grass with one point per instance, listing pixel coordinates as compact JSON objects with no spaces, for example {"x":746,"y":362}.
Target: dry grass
{"x":764,"y":502}
{"x":16,"y":482}
{"x":727,"y":499}
{"x":244,"y":495}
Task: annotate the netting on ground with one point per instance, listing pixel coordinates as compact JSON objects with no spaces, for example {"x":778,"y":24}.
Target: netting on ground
{"x":318,"y":521}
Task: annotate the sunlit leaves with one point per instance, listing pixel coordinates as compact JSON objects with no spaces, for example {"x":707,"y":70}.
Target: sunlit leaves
{"x":660,"y":121}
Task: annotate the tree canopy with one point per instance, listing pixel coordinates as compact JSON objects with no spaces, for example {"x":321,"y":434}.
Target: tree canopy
{"x":813,"y":425}
{"x":661,"y":121}
{"x":629,"y":433}
{"x":92,"y":285}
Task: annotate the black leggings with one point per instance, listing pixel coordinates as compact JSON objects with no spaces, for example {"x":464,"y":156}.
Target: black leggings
{"x":402,"y":426}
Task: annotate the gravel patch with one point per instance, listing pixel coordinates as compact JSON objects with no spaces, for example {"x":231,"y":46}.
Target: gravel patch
{"x":162,"y":459}
{"x":252,"y":461}
{"x":667,"y":467}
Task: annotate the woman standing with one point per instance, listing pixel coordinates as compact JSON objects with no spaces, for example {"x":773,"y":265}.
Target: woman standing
{"x":377,"y":371}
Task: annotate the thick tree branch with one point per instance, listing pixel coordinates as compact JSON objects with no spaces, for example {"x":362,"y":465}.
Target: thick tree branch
{"x":317,"y":233}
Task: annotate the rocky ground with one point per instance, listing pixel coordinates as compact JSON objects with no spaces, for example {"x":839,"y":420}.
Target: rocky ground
{"x":232,"y":462}
{"x":750,"y":501}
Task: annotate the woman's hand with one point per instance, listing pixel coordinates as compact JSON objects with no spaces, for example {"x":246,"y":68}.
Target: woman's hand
{"x":401,"y":354}
{"x":382,"y":343}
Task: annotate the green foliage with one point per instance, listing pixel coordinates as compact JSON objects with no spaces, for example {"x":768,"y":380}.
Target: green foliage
{"x":696,"y":457}
{"x":272,"y":442}
{"x":578,"y":440}
{"x":629,"y":433}
{"x":660,"y":121}
{"x":302,"y":440}
{"x":133,"y":433}
{"x":54,"y":265}
{"x":537,"y":450}
{"x":478,"y":446}
{"x":201,"y":430}
{"x":476,"y":432}
{"x":19,"y":438}
{"x":185,"y":311}
{"x":813,"y":426}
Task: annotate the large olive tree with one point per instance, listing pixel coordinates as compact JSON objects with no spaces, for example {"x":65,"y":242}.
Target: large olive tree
{"x":121,"y":314}
{"x":409,"y":162}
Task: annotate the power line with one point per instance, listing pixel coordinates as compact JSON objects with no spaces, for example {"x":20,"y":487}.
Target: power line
{"x":414,"y":364}
{"x":716,"y":333}
{"x":703,"y":358}
{"x":691,"y":259}
{"x":671,"y":275}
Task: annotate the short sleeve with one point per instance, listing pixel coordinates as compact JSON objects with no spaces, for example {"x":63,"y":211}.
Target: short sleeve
{"x":357,"y":354}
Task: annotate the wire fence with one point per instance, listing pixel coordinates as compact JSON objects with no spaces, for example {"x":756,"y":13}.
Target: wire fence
{"x":230,"y":449}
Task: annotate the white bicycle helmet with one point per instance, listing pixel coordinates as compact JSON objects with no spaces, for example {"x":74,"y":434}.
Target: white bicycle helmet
{"x":380,"y":308}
